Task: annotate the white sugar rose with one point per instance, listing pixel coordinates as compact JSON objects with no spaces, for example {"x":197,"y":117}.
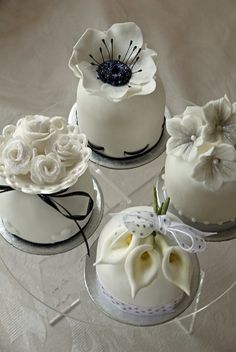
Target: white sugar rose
{"x":70,"y":148}
{"x":59,"y":124}
{"x":8,"y":131}
{"x":16,"y":157}
{"x":46,"y":169}
{"x":35,"y":131}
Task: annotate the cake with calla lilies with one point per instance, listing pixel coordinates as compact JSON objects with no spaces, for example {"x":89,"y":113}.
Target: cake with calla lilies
{"x":143,"y":261}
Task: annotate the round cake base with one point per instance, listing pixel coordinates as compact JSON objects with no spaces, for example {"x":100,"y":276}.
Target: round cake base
{"x":128,"y":162}
{"x":112,"y":311}
{"x":225,"y":232}
{"x":64,"y":246}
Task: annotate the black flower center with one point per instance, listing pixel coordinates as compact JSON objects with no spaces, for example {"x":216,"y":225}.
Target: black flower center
{"x":116,"y":72}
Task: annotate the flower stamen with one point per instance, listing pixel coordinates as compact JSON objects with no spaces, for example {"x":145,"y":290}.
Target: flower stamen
{"x":130,"y":43}
{"x":113,"y":71}
{"x":134,"y":48}
{"x":135,"y":57}
{"x":135,"y":62}
{"x":100,"y":49}
{"x":94,"y":59}
{"x":104,"y":42}
{"x":112,"y":48}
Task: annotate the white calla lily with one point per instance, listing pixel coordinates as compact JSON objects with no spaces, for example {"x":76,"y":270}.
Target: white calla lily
{"x":141,"y":266}
{"x":176,"y":267}
{"x":116,"y":249}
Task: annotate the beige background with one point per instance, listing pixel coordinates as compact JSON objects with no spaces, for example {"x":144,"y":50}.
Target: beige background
{"x":195,"y":40}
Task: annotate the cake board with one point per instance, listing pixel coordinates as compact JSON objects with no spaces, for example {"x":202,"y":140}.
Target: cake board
{"x":130,"y":162}
{"x":95,"y":292}
{"x":225,"y":232}
{"x":66,"y":245}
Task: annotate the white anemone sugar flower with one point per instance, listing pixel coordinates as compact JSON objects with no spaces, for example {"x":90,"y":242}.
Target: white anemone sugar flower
{"x":220,"y":118}
{"x":115,"y":63}
{"x":216,"y":166}
{"x":185,"y":133}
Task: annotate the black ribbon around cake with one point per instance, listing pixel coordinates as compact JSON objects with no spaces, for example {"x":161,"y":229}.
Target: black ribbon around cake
{"x":49,"y":199}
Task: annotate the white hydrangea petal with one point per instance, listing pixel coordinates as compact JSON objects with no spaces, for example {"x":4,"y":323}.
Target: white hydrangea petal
{"x":228,"y":170}
{"x":174,"y":127}
{"x":229,"y":130}
{"x":195,"y":111}
{"x":191,"y":125}
{"x":176,"y":267}
{"x":179,"y":148}
{"x":210,"y":112}
{"x":225,"y":108}
{"x":225,"y":152}
{"x":210,"y":134}
{"x":202,"y":170}
{"x":214,"y":174}
{"x":192,"y":153}
{"x":122,"y":34}
{"x":141,"y":266}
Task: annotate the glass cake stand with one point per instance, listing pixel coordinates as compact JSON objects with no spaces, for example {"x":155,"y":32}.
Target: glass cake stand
{"x":57,"y":281}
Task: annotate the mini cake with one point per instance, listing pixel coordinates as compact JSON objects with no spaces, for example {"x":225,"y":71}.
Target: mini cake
{"x":44,"y":179}
{"x":200,"y":170}
{"x":120,"y":99}
{"x":139,"y":267}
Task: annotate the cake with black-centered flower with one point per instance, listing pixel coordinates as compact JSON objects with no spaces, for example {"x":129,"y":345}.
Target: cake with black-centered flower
{"x":46,"y":190}
{"x":120,"y":98}
{"x":200,"y":169}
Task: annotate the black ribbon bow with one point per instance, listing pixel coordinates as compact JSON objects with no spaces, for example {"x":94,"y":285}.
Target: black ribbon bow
{"x":48,"y":199}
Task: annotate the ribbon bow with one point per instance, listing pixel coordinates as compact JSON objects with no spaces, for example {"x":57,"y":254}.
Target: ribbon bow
{"x":143,"y":223}
{"x":49,"y":199}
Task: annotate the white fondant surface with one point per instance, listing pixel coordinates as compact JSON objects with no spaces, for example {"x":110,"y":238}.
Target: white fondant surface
{"x":114,"y":279}
{"x":193,"y":199}
{"x":28,"y":217}
{"x":129,"y":125}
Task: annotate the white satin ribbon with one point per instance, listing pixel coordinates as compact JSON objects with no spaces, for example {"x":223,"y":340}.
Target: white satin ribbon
{"x":143,"y":223}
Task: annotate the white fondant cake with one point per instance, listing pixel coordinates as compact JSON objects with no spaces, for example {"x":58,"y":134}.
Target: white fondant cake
{"x":142,"y":273}
{"x":200,"y":170}
{"x":40,"y":157}
{"x":120,"y":101}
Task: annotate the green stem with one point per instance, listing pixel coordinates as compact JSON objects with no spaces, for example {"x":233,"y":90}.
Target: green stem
{"x":165,"y":206}
{"x":155,"y":201}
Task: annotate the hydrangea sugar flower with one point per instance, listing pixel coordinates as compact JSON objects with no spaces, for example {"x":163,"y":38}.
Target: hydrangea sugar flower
{"x":185,"y":132}
{"x":220,"y":118}
{"x":216,"y":166}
